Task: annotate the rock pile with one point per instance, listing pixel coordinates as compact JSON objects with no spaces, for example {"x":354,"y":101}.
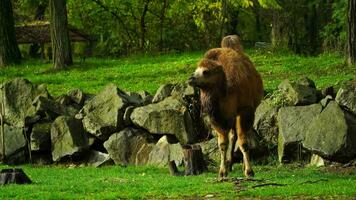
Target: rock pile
{"x":126,"y":128}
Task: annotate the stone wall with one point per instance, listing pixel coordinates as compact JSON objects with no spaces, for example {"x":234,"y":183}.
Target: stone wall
{"x":127,"y":128}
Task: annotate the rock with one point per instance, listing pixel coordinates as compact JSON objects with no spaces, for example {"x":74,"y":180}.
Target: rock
{"x":125,"y":147}
{"x":77,"y":96}
{"x":265,"y":122}
{"x":146,"y":97}
{"x":18,"y":95}
{"x":163,"y":92}
{"x":324,"y":102}
{"x":98,"y":159}
{"x":13,"y":176}
{"x":293,"y":123}
{"x":51,"y":109}
{"x":316,"y":161}
{"x":301,"y":92}
{"x":184,"y":91}
{"x":331,"y":134}
{"x":127,"y":114}
{"x":211,"y":151}
{"x":63,"y":100}
{"x":346,"y":97}
{"x":41,"y":137}
{"x":163,"y":152}
{"x":15,"y":142}
{"x":328,"y":91}
{"x":103,"y":114}
{"x":68,"y":137}
{"x":169,"y":116}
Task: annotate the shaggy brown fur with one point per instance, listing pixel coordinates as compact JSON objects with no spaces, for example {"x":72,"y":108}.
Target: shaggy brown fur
{"x":231,"y":89}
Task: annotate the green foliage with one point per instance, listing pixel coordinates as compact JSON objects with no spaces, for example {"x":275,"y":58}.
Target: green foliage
{"x":146,"y":182}
{"x":334,"y":33}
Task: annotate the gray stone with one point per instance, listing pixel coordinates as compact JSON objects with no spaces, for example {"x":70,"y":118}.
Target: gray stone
{"x":169,"y":116}
{"x":14,"y":141}
{"x":293,"y":123}
{"x":68,"y":137}
{"x":77,"y":96}
{"x":125,"y":147}
{"x":41,"y":137}
{"x":317,"y":161}
{"x":98,"y":159}
{"x":52,"y":109}
{"x":324,"y":102}
{"x":103,"y":114}
{"x":331,"y":134}
{"x":346,"y":96}
{"x":164,"y":152}
{"x":163,"y":92}
{"x":127,"y":114}
{"x":300,"y":92}
{"x":211,"y":151}
{"x":18,"y":95}
{"x":265,"y":122}
{"x":184,"y":91}
{"x":146,"y":97}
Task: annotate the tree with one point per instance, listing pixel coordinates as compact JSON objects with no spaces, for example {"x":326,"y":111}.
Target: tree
{"x":9,"y":51}
{"x":61,"y":49}
{"x":352,"y":32}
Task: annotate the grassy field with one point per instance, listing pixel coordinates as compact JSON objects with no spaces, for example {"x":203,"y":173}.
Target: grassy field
{"x":137,"y":73}
{"x":148,"y":73}
{"x":285,"y":182}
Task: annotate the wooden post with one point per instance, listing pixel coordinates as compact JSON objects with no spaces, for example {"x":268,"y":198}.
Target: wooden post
{"x":193,"y":160}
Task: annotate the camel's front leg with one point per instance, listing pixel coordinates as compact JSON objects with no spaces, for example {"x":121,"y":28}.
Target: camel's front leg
{"x":223,"y":143}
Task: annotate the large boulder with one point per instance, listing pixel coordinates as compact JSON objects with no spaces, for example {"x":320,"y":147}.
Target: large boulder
{"x":164,"y":152}
{"x":18,"y":95}
{"x":103,"y":114}
{"x":129,"y":146}
{"x":41,"y":137}
{"x":332,"y":134}
{"x":15,"y":143}
{"x":265,"y":122}
{"x":169,"y":116}
{"x":300,"y":92}
{"x":293,"y":123}
{"x":68,"y":138}
{"x":346,"y":96}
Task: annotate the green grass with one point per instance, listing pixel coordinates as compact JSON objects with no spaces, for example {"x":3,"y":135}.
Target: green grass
{"x":155,"y":183}
{"x":137,"y":73}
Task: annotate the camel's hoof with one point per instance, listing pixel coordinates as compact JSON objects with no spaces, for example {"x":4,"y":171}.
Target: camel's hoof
{"x":249,"y":173}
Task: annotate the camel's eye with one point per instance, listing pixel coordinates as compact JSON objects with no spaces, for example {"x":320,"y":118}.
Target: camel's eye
{"x":206,"y":73}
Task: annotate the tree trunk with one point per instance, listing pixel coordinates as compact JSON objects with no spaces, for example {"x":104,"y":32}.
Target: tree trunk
{"x":352,"y":32}
{"x":193,"y":160}
{"x":161,"y":26}
{"x":9,"y":51}
{"x":61,"y":49}
{"x":143,"y":25}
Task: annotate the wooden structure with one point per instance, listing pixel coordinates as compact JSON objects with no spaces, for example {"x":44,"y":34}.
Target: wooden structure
{"x":39,"y":32}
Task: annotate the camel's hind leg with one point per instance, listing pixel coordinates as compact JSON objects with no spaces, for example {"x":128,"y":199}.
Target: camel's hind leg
{"x":244,"y":129}
{"x":231,"y":149}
